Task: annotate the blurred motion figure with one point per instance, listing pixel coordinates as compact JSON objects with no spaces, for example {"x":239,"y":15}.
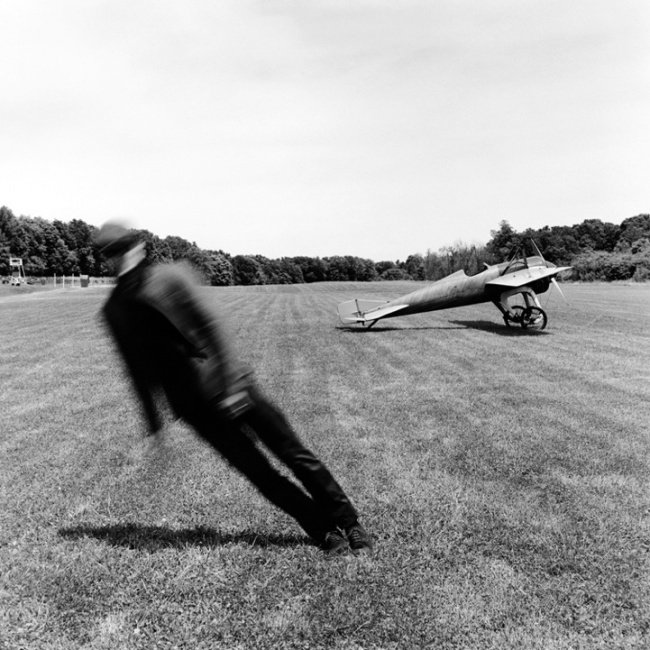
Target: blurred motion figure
{"x":171,"y":342}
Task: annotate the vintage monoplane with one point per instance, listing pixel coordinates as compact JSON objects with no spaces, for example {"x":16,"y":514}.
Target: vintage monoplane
{"x":498,"y":283}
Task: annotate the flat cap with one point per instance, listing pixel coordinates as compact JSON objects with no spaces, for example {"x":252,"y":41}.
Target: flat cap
{"x":114,"y":239}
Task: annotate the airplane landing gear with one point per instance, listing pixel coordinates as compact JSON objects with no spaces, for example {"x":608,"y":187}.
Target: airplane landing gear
{"x":532,"y":318}
{"x":530,"y":315}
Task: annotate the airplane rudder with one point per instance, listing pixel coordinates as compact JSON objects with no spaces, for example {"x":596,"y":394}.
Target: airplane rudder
{"x":348,"y":311}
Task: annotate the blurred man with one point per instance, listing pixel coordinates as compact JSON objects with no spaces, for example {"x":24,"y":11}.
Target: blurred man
{"x":170,"y":341}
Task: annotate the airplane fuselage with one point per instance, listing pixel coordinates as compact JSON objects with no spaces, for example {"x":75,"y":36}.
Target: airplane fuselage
{"x":460,"y":289}
{"x":456,"y":290}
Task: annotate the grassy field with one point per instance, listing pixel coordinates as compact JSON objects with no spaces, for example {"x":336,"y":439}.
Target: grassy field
{"x":503,"y":474}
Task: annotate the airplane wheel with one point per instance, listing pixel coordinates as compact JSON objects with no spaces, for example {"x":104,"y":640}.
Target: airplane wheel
{"x":534,"y":318}
{"x":517,"y":317}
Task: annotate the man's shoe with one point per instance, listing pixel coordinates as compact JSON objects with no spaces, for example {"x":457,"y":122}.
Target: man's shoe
{"x":335,"y":543}
{"x":358,"y":538}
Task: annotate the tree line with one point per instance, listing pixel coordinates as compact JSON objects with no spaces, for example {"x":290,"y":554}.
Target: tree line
{"x":596,"y":250}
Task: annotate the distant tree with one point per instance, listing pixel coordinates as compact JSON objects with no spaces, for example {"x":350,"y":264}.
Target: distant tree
{"x":71,"y":249}
{"x":19,"y":238}
{"x":247,"y":270}
{"x":60,"y":260}
{"x":41,"y":242}
{"x":449,"y":259}
{"x":313,"y":269}
{"x":337,"y":268}
{"x":383,"y":266}
{"x":557,"y":244}
{"x":364,"y":269}
{"x":466,"y":257}
{"x":80,"y":241}
{"x":414,"y":267}
{"x":593,"y":234}
{"x":40,"y":245}
{"x":221,"y":270}
{"x":158,"y":250}
{"x":619,"y":267}
{"x":69,"y":264}
{"x":503,"y":241}
{"x":5,"y":254}
{"x":179,"y":248}
{"x":7,"y":221}
{"x":640,"y":246}
{"x":340,"y":269}
{"x":633,"y":229}
{"x":601,"y":265}
{"x":201,"y":262}
{"x":24,"y":243}
{"x":290,"y":271}
{"x":395,"y":273}
{"x":435,"y":266}
{"x":641,"y":257}
{"x":350,"y":268}
{"x":279,"y":271}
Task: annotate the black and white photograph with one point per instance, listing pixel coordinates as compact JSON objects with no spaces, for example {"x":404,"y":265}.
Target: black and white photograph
{"x":325,"y":325}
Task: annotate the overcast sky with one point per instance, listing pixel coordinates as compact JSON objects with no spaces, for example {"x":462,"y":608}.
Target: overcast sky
{"x":377,"y":128}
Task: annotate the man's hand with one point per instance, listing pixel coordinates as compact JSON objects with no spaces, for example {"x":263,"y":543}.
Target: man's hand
{"x":236,"y":404}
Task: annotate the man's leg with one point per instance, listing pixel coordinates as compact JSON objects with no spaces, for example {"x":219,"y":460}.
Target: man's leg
{"x":243,"y":454}
{"x":333,"y":505}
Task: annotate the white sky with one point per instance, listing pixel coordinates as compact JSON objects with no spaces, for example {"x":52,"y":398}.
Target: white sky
{"x":377,"y":128}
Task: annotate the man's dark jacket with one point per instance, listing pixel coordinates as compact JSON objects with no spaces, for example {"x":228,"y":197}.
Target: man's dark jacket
{"x":170,"y":340}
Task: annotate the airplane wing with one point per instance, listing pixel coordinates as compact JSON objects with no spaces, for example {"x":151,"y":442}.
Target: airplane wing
{"x":365,"y":311}
{"x":526,"y":276}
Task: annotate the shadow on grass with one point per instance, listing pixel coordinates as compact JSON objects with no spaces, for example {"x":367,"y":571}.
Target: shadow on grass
{"x":389,"y":328}
{"x":157,"y":538}
{"x":497,"y":328}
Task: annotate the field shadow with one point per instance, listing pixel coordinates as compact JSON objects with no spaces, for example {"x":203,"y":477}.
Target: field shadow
{"x":157,"y":538}
{"x":390,"y":328}
{"x":497,"y":328}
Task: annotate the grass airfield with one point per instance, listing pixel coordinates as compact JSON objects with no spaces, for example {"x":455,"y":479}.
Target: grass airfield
{"x":503,"y":473}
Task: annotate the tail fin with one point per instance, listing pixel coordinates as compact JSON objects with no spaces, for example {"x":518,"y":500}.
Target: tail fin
{"x":353,"y":311}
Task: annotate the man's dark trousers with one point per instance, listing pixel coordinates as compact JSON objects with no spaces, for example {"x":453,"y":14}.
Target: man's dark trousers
{"x":324,"y":506}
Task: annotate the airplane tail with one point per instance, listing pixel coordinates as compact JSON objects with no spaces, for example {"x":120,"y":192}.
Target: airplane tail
{"x":367,"y":311}
{"x":353,"y":311}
